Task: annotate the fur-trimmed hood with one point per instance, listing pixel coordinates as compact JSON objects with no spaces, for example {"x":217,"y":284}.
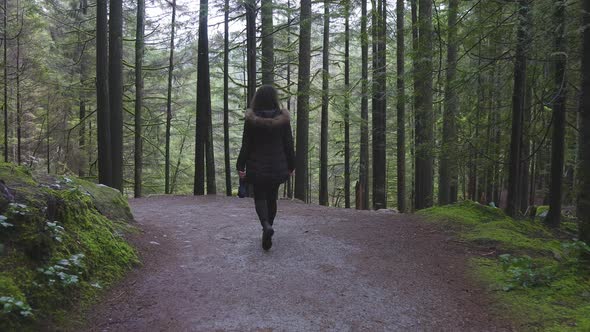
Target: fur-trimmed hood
{"x":268,"y":119}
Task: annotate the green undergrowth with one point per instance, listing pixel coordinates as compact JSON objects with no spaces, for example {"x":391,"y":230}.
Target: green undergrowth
{"x":62,"y":240}
{"x":540,"y":276}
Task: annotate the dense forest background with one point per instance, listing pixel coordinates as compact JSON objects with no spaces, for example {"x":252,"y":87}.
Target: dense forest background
{"x":400,"y":104}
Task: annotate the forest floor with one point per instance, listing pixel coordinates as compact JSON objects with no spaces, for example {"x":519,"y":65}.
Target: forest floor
{"x":329,"y":269}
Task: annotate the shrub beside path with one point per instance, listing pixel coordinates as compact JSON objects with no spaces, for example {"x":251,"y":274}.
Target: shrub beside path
{"x":329,"y":269}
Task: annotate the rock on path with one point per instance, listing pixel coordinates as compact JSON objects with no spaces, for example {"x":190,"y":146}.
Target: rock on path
{"x":328,"y":270}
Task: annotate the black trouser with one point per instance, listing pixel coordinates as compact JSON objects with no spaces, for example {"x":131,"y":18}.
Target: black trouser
{"x":265,"y":201}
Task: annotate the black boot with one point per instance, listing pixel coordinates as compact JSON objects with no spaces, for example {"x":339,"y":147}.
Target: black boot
{"x":263,"y":215}
{"x":267,"y":233}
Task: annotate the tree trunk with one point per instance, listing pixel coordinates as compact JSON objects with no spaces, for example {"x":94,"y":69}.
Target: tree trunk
{"x":103,"y":114}
{"x":347,"y":104}
{"x":5,"y":62}
{"x":209,"y":149}
{"x":424,"y":113}
{"x":82,"y":96}
{"x":228,"y":189}
{"x":518,"y":108}
{"x":202,"y":96}
{"x":116,"y":90}
{"x":379,"y":106}
{"x":169,"y":101}
{"x":289,"y":183}
{"x":416,"y":87}
{"x":448,"y":176}
{"x":267,"y":44}
{"x":18,"y":108}
{"x":526,"y":151}
{"x":558,"y":137}
{"x":139,"y":50}
{"x":401,"y":110}
{"x":251,"y":46}
{"x":583,"y":199}
{"x":363,"y":188}
{"x":325,"y":100}
{"x":303,"y":84}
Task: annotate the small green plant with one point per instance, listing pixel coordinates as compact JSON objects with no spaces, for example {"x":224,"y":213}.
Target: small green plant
{"x":18,"y":208}
{"x":523,"y":272}
{"x":4,"y":223}
{"x":11,"y":305}
{"x":65,"y":271}
{"x":55,"y":230}
{"x":573,"y":251}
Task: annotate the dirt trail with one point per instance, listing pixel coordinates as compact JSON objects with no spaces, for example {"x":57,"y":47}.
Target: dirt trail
{"x":329,"y":270}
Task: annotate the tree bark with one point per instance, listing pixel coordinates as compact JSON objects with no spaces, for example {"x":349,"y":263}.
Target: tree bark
{"x":448,"y":176}
{"x":82,"y":100}
{"x":139,"y":50}
{"x":379,"y":106}
{"x":558,"y":138}
{"x":303,"y":84}
{"x":251,"y":47}
{"x":209,"y":149}
{"x":323,"y":197}
{"x":202,"y":102}
{"x":525,"y":152}
{"x":228,"y":189}
{"x":267,"y":44}
{"x":347,"y":104}
{"x":520,"y":67}
{"x":103,"y":114}
{"x":18,"y":108}
{"x":289,"y":183}
{"x":583,"y":199}
{"x":424,"y":113}
{"x":363,"y":188}
{"x":401,"y":109}
{"x":116,"y":90}
{"x":5,"y":62}
{"x":169,"y":101}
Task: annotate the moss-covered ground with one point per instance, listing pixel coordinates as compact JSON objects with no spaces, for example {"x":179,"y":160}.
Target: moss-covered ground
{"x":61,"y":241}
{"x":540,"y":276}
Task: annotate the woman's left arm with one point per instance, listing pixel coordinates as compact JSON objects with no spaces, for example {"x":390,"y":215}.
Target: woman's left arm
{"x":244,"y":150}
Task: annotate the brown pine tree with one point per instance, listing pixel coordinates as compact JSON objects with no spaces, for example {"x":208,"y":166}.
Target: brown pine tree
{"x":518,"y":104}
{"x":303,"y":84}
{"x":557,"y":141}
{"x":362,"y":191}
{"x":139,"y":50}
{"x":103,"y":115}
{"x":424,"y":114}
{"x":325,"y":100}
{"x":448,"y":176}
{"x":228,"y":190}
{"x":169,"y":101}
{"x":116,"y":90}
{"x":267,"y":43}
{"x":583,"y":198}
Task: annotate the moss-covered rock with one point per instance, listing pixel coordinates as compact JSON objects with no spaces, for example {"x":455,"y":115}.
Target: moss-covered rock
{"x":62,"y":240}
{"x":539,"y":274}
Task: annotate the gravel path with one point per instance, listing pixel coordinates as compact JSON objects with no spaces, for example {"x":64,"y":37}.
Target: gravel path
{"x":328,"y":270}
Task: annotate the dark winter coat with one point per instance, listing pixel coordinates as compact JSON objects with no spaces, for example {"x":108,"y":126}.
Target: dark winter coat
{"x":267,"y":154}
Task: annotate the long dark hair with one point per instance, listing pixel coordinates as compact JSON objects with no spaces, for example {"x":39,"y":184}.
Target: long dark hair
{"x":266,"y":98}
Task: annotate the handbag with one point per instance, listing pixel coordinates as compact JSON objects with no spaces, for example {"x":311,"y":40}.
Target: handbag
{"x":243,"y":190}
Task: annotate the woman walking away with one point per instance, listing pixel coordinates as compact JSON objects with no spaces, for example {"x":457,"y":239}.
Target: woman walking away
{"x":267,"y":157}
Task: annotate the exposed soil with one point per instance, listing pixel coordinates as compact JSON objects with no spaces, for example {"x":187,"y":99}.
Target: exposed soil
{"x":329,"y":270}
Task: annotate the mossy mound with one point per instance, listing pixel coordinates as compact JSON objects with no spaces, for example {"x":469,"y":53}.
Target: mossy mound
{"x":61,"y":241}
{"x":540,"y":275}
